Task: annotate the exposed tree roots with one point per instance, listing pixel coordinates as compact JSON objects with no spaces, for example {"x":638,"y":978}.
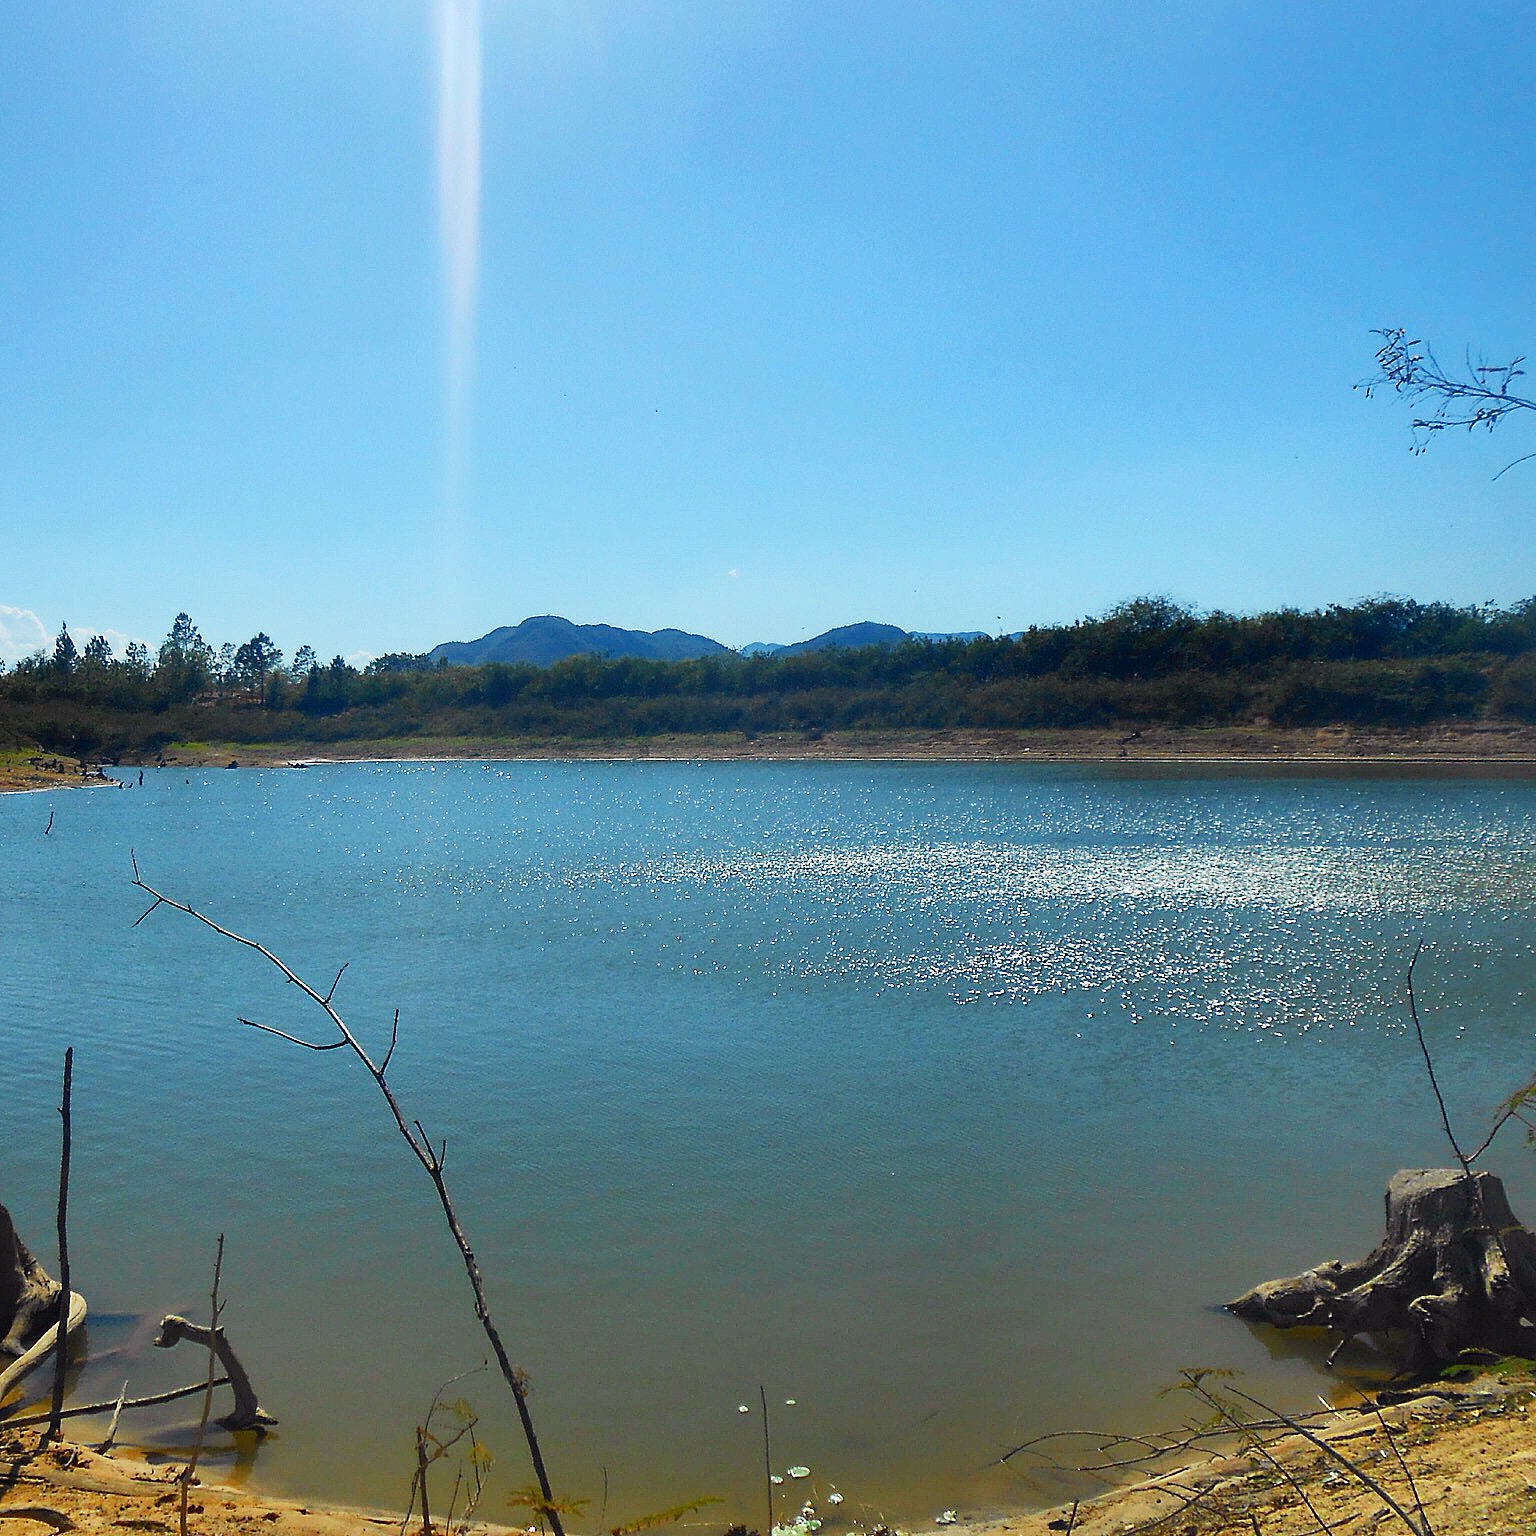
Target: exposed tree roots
{"x":1455,"y":1272}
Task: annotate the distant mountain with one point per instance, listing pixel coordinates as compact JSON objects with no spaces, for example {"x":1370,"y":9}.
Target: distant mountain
{"x":548,"y":639}
{"x":850,"y":637}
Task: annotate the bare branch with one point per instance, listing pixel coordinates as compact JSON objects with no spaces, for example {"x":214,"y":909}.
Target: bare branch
{"x":1350,"y":1465}
{"x":421,"y":1149}
{"x":1429,"y":1066}
{"x":153,"y":1401}
{"x":189,"y":1472}
{"x":309,"y":1045}
{"x":61,"y":1349}
{"x":1525,"y":458}
{"x":1407,"y":1471}
{"x":394,"y":1035}
{"x":1481,"y":396}
{"x":1197,"y":1385}
{"x":339,"y":974}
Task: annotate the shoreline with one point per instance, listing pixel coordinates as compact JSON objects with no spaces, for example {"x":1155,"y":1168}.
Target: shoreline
{"x":1495,"y":750}
{"x":1464,"y":1450}
{"x":1507,"y":746}
{"x":30,"y":771}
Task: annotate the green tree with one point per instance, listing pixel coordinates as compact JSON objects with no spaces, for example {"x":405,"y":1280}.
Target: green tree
{"x":255,"y":662}
{"x":98,"y":653}
{"x":185,"y":665}
{"x":64,"y":653}
{"x":223,"y":668}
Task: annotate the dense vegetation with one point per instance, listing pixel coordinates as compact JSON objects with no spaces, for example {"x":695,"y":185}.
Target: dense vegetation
{"x":1386,"y":661}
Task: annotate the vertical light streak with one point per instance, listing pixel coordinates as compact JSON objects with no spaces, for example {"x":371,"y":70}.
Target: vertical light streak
{"x":458,"y":206}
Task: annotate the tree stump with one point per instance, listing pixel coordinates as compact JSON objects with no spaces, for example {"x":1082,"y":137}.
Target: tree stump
{"x":1456,"y":1271}
{"x":29,"y":1296}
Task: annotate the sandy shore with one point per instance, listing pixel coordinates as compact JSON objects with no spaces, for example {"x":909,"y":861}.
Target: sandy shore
{"x":1466,"y":1454}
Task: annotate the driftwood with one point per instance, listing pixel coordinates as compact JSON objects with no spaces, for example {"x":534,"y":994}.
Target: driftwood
{"x":45,"y":1347}
{"x":1455,"y":1272}
{"x":247,"y":1412}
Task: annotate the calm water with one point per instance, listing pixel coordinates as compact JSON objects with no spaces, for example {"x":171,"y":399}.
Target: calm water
{"x":942,"y":1099}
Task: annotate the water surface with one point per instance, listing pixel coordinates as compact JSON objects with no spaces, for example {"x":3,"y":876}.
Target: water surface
{"x":943,"y":1099}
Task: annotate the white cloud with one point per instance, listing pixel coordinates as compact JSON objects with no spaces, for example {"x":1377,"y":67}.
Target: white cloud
{"x":21,"y":633}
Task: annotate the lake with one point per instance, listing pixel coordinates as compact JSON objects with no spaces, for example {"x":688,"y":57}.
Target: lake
{"x":943,"y":1099}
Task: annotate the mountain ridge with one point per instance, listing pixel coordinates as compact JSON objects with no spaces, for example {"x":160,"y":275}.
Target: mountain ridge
{"x":547,"y":638}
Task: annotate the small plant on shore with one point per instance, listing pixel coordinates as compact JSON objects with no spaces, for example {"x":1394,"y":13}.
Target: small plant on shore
{"x":448,"y":1430}
{"x":661,"y":1517}
{"x":546,"y":1511}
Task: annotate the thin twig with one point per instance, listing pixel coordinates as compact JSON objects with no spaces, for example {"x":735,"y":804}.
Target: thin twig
{"x":117,"y":1413}
{"x":762,"y":1392}
{"x":1153,"y":1449}
{"x":309,"y":1045}
{"x":1413,"y":1487}
{"x":189,"y":1472}
{"x":1429,"y":1066}
{"x":61,"y":1343}
{"x":1197,"y":1385}
{"x":1353,"y":1467}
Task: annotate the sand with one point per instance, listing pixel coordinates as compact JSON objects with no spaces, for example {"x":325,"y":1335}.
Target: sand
{"x":1471,"y":1450}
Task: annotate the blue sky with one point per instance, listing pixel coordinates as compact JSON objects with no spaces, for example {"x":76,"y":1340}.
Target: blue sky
{"x":773,"y":315}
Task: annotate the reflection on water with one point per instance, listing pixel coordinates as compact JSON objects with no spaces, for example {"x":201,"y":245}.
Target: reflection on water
{"x":942,"y":1099}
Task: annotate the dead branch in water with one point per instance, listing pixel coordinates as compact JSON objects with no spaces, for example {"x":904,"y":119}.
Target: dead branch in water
{"x":189,"y":1472}
{"x":431,"y":1158}
{"x":61,"y":1349}
{"x":154,"y":1400}
{"x":247,"y":1412}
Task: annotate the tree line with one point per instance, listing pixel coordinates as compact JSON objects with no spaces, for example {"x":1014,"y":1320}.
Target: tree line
{"x":1384,"y":661}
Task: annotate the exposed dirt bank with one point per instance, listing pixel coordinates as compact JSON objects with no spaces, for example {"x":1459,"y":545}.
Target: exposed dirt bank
{"x":1465,"y":1457}
{"x":1502,"y":747}
{"x":44,"y":770}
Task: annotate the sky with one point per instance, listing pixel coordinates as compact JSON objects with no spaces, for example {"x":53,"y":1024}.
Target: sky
{"x":371,"y":324}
